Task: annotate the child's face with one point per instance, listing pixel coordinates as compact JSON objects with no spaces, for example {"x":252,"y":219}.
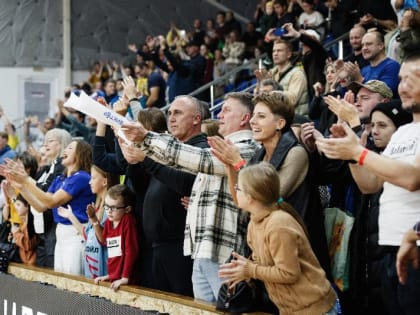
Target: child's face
{"x":97,"y":181}
{"x":21,"y":208}
{"x":115,"y":209}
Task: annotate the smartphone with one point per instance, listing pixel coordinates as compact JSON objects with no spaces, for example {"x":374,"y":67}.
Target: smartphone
{"x":279,"y":31}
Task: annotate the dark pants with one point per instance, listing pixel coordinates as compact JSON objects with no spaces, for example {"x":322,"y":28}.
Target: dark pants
{"x":400,"y":299}
{"x":46,"y":247}
{"x":172,"y":270}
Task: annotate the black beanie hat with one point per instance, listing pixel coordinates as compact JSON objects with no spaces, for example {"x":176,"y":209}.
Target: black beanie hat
{"x":395,"y":112}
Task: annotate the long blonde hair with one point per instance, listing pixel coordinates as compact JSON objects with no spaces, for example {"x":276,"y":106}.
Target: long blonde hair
{"x":261,"y":181}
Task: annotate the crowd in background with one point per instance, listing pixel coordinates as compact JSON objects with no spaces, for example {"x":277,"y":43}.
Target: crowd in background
{"x":323,"y":131}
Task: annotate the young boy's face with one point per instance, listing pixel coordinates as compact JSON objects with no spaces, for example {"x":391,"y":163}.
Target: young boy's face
{"x":115,"y":209}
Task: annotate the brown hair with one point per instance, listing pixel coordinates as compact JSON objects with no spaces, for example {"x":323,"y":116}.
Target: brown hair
{"x":261,"y":181}
{"x":124,"y":193}
{"x":284,"y":42}
{"x":153,"y":119}
{"x":244,"y":98}
{"x":4,"y":135}
{"x":112,"y":179}
{"x":279,"y":104}
{"x":83,"y":155}
{"x":211,"y":126}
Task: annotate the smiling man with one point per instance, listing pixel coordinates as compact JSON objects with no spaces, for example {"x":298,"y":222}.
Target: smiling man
{"x":214,"y":226}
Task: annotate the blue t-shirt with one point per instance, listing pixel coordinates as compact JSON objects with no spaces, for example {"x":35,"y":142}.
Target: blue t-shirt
{"x":96,"y":255}
{"x":387,"y":71}
{"x":156,"y":80}
{"x":76,"y":185}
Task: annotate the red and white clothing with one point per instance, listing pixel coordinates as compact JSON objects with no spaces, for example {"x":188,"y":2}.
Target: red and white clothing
{"x":123,"y":247}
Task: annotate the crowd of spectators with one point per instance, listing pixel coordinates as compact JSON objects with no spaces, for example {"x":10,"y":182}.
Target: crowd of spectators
{"x":337,"y":127}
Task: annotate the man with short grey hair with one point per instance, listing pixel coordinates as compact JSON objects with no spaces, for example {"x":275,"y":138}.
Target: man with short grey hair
{"x":214,"y":226}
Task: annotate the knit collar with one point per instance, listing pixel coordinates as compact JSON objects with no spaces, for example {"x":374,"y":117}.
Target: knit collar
{"x":260,"y":215}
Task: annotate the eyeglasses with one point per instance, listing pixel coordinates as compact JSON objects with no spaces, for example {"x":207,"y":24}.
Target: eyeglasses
{"x":113,"y":208}
{"x":236,"y":187}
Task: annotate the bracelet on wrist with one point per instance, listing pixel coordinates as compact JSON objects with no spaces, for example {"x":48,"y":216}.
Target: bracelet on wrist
{"x":239,"y":165}
{"x":362,"y":157}
{"x":133,"y":99}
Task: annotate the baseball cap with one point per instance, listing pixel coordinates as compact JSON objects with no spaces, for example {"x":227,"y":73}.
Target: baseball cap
{"x":374,"y":86}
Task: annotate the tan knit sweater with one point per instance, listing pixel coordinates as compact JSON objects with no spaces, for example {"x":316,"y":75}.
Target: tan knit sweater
{"x":284,"y":261}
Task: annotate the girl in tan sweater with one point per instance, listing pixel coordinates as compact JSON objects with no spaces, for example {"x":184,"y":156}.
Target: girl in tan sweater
{"x":282,"y":256}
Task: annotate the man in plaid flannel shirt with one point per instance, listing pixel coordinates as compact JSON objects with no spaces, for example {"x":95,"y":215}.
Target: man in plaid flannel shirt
{"x":214,"y":226}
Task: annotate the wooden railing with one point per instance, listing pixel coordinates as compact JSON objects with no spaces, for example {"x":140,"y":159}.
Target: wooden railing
{"x":134,"y":296}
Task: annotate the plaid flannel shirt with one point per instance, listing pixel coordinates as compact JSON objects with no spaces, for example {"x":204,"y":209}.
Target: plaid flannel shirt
{"x":214,"y":225}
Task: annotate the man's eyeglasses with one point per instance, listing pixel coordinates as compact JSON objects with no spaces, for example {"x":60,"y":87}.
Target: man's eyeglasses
{"x":113,"y":208}
{"x":236,"y":187}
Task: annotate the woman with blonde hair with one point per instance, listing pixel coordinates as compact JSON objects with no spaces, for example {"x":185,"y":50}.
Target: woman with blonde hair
{"x":281,"y":253}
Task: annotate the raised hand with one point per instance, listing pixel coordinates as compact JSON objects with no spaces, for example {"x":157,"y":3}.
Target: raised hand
{"x":224,"y":150}
{"x":134,"y":131}
{"x":8,"y":190}
{"x":344,"y":110}
{"x":318,"y":88}
{"x":130,"y":89}
{"x":16,"y":171}
{"x":307,"y":135}
{"x":353,"y":70}
{"x":121,"y":106}
{"x":90,"y":210}
{"x":132,"y":154}
{"x":347,"y":147}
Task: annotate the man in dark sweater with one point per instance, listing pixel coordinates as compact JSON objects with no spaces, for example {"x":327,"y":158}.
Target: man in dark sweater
{"x":164,"y":215}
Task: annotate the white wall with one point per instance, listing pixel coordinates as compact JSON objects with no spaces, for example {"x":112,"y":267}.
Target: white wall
{"x":11,"y":87}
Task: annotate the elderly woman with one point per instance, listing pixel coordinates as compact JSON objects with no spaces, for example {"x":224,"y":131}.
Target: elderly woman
{"x":72,"y":189}
{"x":55,"y":141}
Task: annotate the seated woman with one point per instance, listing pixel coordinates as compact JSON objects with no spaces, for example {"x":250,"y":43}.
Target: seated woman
{"x":68,"y":189}
{"x":281,"y":254}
